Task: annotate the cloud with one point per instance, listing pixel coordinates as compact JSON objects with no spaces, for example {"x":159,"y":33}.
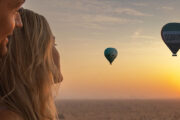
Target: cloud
{"x":129,"y":11}
{"x":92,"y":14}
{"x":168,"y":8}
{"x":99,"y":7}
{"x":138,"y":35}
{"x":98,"y":22}
{"x":140,"y":4}
{"x":109,"y":19}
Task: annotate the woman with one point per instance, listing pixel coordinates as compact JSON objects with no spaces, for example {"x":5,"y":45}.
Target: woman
{"x":30,"y":70}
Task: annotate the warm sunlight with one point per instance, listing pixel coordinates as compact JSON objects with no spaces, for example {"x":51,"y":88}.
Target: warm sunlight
{"x":144,"y":67}
{"x":118,"y":60}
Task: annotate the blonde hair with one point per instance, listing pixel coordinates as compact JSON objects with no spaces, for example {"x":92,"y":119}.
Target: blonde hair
{"x":27,"y":72}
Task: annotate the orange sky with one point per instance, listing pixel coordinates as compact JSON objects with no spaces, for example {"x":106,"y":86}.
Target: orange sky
{"x":144,"y":67}
{"x":136,"y":73}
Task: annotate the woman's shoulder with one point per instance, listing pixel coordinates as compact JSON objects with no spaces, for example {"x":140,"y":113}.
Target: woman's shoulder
{"x":6,"y":114}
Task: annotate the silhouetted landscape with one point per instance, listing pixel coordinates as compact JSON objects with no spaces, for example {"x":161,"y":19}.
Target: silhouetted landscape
{"x":119,"y":109}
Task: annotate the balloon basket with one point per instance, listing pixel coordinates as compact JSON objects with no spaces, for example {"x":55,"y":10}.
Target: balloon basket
{"x":174,"y":55}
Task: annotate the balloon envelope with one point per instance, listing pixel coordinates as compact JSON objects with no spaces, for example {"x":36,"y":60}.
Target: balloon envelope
{"x":110,"y":54}
{"x":171,"y":36}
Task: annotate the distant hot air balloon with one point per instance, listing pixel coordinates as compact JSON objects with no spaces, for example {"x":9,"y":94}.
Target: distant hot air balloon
{"x":171,"y":36}
{"x":110,"y":54}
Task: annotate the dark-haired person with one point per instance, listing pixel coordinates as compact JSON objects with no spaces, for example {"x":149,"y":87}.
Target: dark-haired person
{"x":9,"y":18}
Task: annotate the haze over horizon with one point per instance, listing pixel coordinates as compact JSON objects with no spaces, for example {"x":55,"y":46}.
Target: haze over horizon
{"x":144,"y":67}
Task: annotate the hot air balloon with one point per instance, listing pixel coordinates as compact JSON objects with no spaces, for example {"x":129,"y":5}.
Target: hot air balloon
{"x":171,"y":36}
{"x":110,"y":54}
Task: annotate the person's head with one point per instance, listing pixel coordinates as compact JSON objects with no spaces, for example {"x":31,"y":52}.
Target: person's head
{"x":9,"y":18}
{"x":30,"y":69}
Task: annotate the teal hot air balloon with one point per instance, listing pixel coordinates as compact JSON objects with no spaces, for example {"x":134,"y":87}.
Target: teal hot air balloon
{"x":110,"y":54}
{"x":171,"y":36}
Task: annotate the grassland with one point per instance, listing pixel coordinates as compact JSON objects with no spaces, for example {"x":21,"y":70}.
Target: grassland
{"x":119,"y":109}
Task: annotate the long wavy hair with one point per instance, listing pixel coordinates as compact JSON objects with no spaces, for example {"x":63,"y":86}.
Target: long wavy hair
{"x":27,"y":72}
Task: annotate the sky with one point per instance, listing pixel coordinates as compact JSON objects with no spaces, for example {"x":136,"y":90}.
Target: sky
{"x":144,"y":68}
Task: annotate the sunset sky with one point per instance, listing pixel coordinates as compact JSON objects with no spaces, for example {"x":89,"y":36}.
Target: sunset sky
{"x":144,"y":67}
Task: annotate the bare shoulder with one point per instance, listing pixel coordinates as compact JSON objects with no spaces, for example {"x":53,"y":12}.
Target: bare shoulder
{"x":9,"y":115}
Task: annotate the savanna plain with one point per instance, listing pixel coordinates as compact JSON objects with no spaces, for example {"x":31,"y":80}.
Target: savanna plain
{"x":119,"y":109}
